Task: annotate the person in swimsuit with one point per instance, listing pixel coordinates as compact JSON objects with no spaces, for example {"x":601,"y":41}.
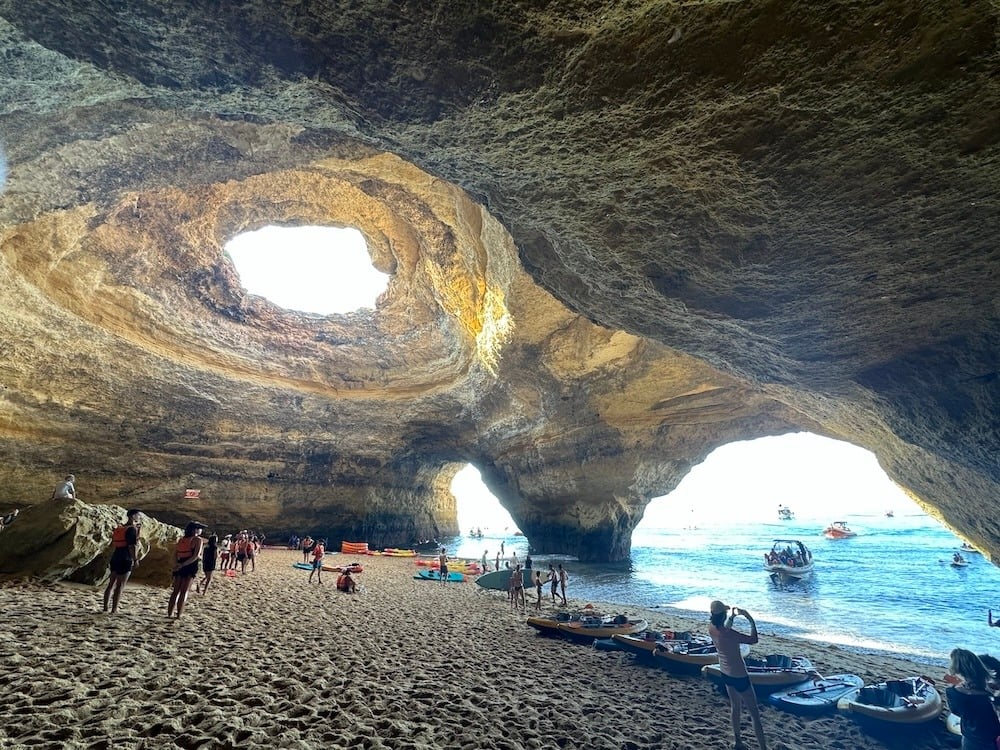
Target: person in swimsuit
{"x":307,"y":548}
{"x":553,"y":581}
{"x":186,"y":559}
{"x":486,"y":567}
{"x":123,"y":558}
{"x":224,"y":552}
{"x":734,"y":670}
{"x":318,"y":551}
{"x":443,"y":565}
{"x":517,"y":589}
{"x":538,"y":589}
{"x":208,"y":562}
{"x":563,"y":578}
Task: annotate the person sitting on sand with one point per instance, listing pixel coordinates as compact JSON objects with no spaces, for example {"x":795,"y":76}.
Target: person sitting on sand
{"x":209,"y":559}
{"x":318,"y":552}
{"x":346,"y":583}
{"x":970,"y":698}
{"x":186,"y":558}
{"x":124,"y":558}
{"x":734,"y":670}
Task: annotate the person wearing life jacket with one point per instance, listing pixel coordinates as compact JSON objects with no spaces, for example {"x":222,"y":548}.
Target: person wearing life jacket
{"x":123,"y":558}
{"x":318,"y":552}
{"x":186,"y":557}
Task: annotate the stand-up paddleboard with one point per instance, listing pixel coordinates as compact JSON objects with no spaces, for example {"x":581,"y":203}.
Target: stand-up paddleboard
{"x":499,"y":580}
{"x":302,"y":566}
{"x":433,"y":575}
{"x":816,"y":696}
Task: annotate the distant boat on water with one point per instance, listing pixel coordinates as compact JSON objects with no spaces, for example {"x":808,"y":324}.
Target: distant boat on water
{"x":889,"y":514}
{"x":838,"y":530}
{"x":785,"y":513}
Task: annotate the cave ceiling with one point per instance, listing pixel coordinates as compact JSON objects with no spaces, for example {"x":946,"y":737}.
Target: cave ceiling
{"x":619,"y":235}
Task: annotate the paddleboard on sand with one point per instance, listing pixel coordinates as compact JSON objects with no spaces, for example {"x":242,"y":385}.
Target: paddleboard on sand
{"x":499,"y":580}
{"x":302,"y":566}
{"x":433,"y":575}
{"x":815,"y":696}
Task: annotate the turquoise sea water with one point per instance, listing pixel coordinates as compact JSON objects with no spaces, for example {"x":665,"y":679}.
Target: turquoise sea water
{"x":888,"y":589}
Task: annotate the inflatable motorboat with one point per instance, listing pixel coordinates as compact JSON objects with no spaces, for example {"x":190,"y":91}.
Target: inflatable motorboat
{"x":773,"y":672}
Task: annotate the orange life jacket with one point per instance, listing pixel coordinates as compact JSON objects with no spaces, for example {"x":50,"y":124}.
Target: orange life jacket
{"x":184,"y":547}
{"x":119,"y":538}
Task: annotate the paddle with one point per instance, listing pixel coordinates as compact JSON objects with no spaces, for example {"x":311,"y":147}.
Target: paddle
{"x":818,"y":689}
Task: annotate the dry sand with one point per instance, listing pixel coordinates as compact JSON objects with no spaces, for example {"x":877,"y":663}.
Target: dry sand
{"x":266,"y":660}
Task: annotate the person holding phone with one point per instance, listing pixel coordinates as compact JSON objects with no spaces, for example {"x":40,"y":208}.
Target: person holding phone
{"x":734,"y":670}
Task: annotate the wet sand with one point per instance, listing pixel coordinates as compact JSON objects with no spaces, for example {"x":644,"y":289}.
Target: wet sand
{"x":266,"y":660}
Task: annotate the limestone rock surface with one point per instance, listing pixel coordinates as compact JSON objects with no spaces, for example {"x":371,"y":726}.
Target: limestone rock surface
{"x":620,"y":235}
{"x":71,"y":540}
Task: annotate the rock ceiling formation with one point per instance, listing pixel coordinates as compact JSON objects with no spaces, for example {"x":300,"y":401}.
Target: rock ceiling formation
{"x":620,"y":235}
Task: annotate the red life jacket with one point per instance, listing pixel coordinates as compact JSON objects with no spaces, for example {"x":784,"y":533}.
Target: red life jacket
{"x":119,"y":538}
{"x":184,"y":547}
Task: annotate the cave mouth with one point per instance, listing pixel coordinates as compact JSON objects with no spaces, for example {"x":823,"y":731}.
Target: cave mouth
{"x":820,"y":479}
{"x":476,"y":507}
{"x":309,"y":269}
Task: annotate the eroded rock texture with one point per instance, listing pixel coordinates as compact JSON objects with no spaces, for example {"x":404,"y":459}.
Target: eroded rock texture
{"x":621,"y":235}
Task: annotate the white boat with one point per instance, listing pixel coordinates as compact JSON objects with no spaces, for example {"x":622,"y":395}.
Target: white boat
{"x":789,"y":557}
{"x":785,"y":513}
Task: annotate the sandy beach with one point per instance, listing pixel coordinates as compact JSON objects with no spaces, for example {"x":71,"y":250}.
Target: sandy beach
{"x":267,"y":660}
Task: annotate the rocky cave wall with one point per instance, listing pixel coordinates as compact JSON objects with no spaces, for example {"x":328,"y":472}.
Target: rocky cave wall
{"x":620,"y":235}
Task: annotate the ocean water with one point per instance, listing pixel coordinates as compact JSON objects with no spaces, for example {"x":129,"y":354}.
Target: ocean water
{"x":888,"y":589}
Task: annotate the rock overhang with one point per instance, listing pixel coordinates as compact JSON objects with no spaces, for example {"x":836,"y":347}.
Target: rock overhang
{"x":750,"y":239}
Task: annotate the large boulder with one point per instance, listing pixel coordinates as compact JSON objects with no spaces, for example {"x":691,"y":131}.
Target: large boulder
{"x":71,"y":540}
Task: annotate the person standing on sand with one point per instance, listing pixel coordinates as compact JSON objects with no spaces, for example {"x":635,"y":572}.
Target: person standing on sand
{"x":734,"y":670}
{"x":186,"y":559}
{"x":517,"y":589}
{"x":208,"y":564}
{"x":538,"y":589}
{"x":553,"y":581}
{"x":563,"y":578}
{"x":307,"y":548}
{"x":318,"y":552}
{"x":124,"y":558}
{"x":498,"y":561}
{"x":486,"y":567}
{"x":443,"y":566}
{"x":970,"y":698}
{"x":66,"y":489}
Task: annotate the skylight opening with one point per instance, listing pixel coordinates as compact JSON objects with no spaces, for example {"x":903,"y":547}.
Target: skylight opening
{"x":320,"y":270}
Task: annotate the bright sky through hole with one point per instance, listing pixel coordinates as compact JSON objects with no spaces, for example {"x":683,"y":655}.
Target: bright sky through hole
{"x":819,"y":478}
{"x":322,"y":270}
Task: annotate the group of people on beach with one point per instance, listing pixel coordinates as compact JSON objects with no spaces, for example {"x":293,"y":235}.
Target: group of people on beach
{"x":556,"y":579}
{"x":193,"y":553}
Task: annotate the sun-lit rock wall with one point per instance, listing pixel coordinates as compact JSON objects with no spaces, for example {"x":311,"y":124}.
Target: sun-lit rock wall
{"x":620,"y":236}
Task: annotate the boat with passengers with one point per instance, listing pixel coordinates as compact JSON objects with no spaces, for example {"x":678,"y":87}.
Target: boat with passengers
{"x":790,"y":558}
{"x":785,"y":513}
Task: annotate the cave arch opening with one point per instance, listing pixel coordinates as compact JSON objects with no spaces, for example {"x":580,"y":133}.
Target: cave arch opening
{"x":476,"y":507}
{"x":311,"y":269}
{"x":819,"y":479}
